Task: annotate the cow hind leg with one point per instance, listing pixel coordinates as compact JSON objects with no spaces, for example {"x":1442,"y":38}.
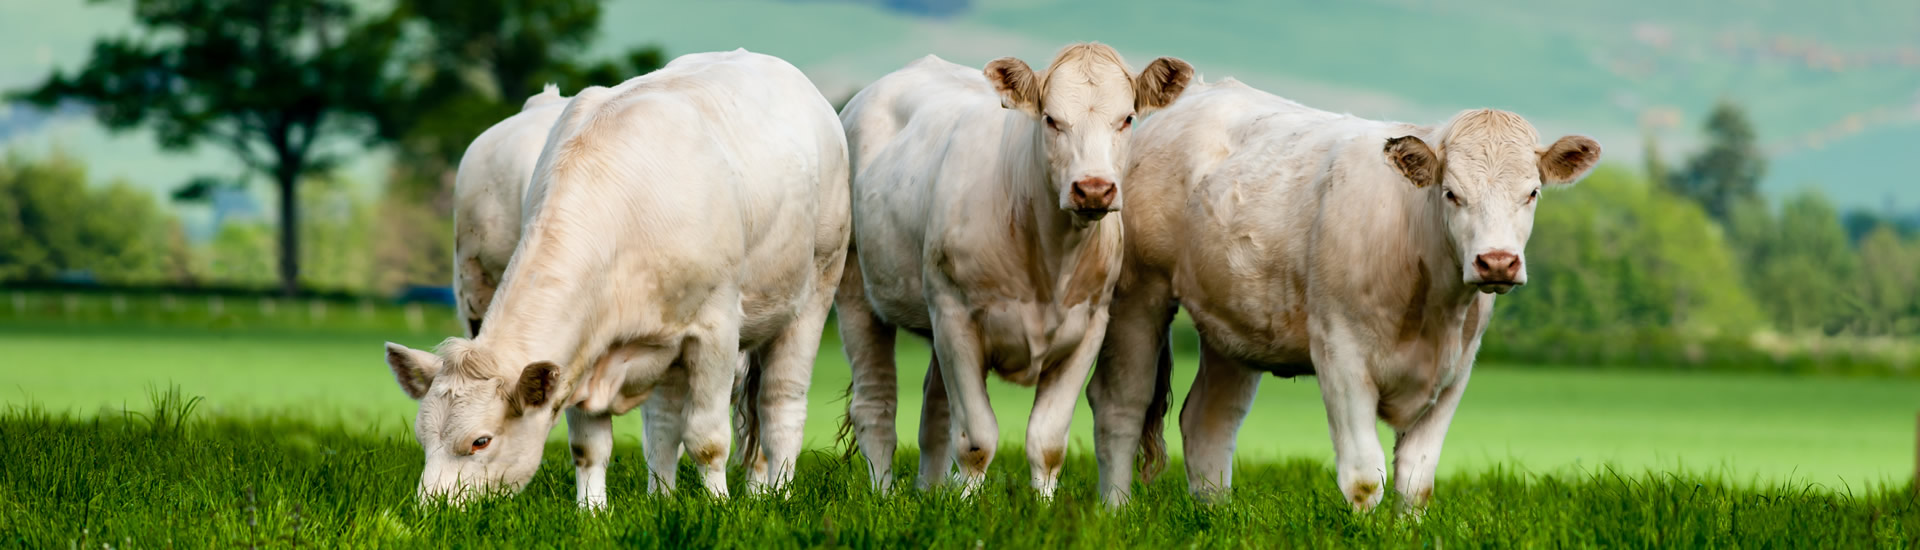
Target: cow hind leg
{"x":591,"y":436}
{"x":665,"y":427}
{"x":936,"y":430}
{"x":873,"y":396}
{"x":1223,"y":391}
{"x":787,"y":371}
{"x":1122,"y":389}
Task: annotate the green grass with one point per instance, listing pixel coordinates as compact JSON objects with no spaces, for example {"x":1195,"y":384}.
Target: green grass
{"x":150,"y":480}
{"x":1749,"y":427}
{"x":301,"y":428}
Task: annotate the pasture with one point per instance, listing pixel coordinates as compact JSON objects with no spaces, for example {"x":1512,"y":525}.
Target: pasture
{"x":301,"y":438}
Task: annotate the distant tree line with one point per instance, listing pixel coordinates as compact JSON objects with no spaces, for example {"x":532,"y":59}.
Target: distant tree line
{"x":1688,"y":258}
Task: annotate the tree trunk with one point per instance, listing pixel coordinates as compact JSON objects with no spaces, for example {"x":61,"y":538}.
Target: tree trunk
{"x":288,"y":178}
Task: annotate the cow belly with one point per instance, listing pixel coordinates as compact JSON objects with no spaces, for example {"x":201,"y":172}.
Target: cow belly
{"x":1281,"y":349}
{"x":1022,"y":340}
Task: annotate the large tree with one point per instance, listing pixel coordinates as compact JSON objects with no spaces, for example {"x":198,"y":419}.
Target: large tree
{"x":1728,"y":171}
{"x":470,"y":64}
{"x":268,"y":81}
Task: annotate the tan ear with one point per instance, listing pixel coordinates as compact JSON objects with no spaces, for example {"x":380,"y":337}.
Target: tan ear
{"x":536,"y":386}
{"x":1568,"y":159}
{"x":1414,"y":159}
{"x":1160,"y":84}
{"x":414,"y":369}
{"x":1019,"y":88}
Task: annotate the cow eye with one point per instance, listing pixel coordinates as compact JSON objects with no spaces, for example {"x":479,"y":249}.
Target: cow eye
{"x":1451,"y":197}
{"x":1050,"y":123}
{"x":482,"y":442}
{"x":1128,"y":123}
{"x":1535,"y":195}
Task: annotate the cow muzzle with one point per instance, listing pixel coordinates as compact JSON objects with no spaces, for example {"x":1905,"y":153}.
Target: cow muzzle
{"x":1093,"y":198}
{"x":1497,"y":272}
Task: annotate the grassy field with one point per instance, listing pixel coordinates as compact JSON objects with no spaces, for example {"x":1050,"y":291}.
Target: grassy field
{"x":151,"y":480}
{"x":301,"y":438}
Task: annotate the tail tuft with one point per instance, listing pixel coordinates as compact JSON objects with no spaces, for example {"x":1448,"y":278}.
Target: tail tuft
{"x":746,"y":413}
{"x":1152,"y":459}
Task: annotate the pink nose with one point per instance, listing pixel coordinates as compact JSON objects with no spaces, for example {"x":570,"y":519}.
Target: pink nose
{"x":1094,"y":194}
{"x":1498,"y":266}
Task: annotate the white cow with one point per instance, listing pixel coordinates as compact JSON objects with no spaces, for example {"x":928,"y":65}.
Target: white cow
{"x":676,"y":222}
{"x":487,"y":194}
{"x":982,"y":204}
{"x":1307,"y":242}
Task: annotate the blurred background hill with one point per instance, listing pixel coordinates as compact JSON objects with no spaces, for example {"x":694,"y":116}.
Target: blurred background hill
{"x":1757,"y":201}
{"x":1834,"y":88}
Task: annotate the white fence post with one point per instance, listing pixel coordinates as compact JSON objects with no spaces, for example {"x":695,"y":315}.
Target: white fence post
{"x":119,"y":305}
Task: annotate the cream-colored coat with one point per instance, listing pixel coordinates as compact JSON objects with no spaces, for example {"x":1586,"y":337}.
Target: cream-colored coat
{"x":678,"y":226}
{"x":1307,"y":242}
{"x":488,"y":191}
{"x":981,"y":203}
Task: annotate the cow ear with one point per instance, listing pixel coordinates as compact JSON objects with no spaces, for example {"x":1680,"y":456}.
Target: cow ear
{"x":1160,"y":84}
{"x":1414,"y":159}
{"x":1568,"y":159}
{"x":1019,"y":88}
{"x":414,"y":369}
{"x":536,"y":386}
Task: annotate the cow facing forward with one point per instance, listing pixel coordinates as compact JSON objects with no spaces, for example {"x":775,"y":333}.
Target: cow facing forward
{"x":982,"y":219}
{"x":675,"y":223}
{"x":1306,"y":242}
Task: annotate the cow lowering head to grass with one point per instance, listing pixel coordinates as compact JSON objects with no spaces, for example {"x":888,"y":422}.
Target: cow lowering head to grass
{"x":683,"y":234}
{"x":479,"y":426}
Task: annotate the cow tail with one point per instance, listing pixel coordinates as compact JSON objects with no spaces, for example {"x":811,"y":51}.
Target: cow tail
{"x":746,"y":412}
{"x":1153,"y":441}
{"x":844,"y":437}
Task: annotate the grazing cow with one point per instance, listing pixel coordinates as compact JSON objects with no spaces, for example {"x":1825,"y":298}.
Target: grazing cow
{"x":984,"y":203}
{"x":1306,"y":242}
{"x":487,"y":194}
{"x":675,"y":223}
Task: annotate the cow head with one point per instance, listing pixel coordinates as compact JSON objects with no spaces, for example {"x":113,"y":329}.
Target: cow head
{"x":482,"y":431}
{"x":1085,"y":106}
{"x":1484,"y":175}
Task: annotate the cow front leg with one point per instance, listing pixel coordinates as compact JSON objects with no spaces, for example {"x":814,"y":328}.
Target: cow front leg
{"x":1416,"y":449}
{"x":710,"y":357}
{"x":956,"y":344}
{"x":1223,"y":391}
{"x":1053,"y":401}
{"x":1352,"y":400}
{"x":591,"y":438}
{"x":666,"y":413}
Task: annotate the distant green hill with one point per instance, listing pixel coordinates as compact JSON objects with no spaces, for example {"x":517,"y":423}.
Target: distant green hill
{"x":1834,"y":87}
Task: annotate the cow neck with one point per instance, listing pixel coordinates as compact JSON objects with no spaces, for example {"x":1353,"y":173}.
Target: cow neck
{"x":545,"y":304}
{"x":1056,"y":238}
{"x":1424,"y":209}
